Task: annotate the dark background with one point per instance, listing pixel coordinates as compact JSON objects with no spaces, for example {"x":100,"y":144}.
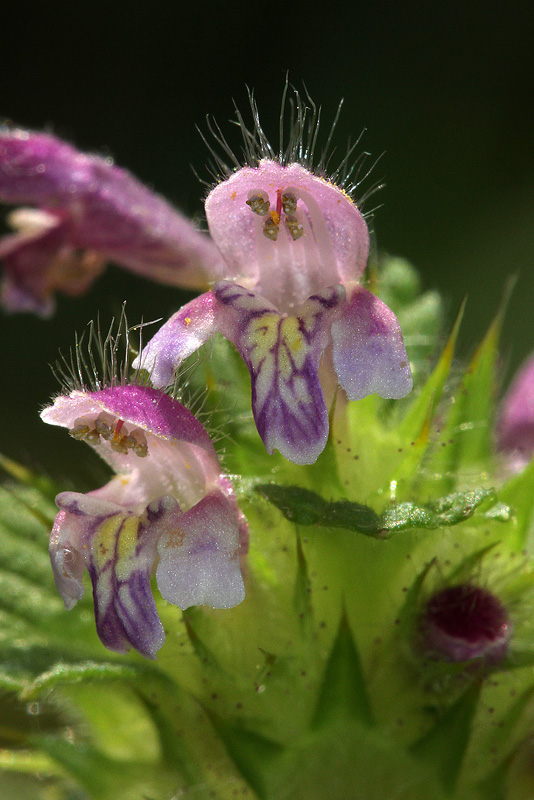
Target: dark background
{"x":444,"y":90}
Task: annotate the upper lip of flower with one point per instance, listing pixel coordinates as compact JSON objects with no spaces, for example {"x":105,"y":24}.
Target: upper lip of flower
{"x":287,"y":266}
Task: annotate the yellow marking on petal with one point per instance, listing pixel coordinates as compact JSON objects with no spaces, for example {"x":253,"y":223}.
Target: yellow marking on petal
{"x":291,"y":340}
{"x":262,"y":335}
{"x":103,"y":544}
{"x":126,"y":548}
{"x":187,"y":321}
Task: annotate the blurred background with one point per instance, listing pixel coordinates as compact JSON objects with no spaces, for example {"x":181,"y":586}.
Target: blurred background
{"x":445,"y":92}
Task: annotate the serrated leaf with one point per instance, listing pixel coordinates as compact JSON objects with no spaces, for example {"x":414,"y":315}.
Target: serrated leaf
{"x":468,"y":429}
{"x":422,"y":410}
{"x":445,"y":744}
{"x":202,"y":651}
{"x":343,"y":691}
{"x":106,"y":778}
{"x":350,"y":761}
{"x":301,"y":592}
{"x":463,"y":572}
{"x":410,"y":607}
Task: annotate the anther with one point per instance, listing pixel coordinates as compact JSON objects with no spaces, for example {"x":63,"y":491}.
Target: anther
{"x":259,"y":204}
{"x":80,"y":430}
{"x":294,"y":227}
{"x":136,"y":441}
{"x":271,"y":229}
{"x":289,"y":203}
{"x":104,"y":426}
{"x":92,"y":437}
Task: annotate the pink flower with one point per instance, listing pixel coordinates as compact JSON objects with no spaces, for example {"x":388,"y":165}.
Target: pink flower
{"x":168,"y":504}
{"x":515,"y":427}
{"x":294,"y":247}
{"x":86,"y":212}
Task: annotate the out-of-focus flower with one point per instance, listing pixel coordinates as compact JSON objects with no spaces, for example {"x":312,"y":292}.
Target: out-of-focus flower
{"x":464,"y":622}
{"x":515,"y":427}
{"x":168,"y":504}
{"x":86,"y":212}
{"x":294,"y":246}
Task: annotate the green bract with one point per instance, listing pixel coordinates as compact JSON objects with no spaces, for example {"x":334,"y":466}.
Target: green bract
{"x":321,"y":684}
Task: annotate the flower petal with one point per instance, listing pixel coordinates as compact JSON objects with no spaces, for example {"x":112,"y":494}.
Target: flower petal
{"x":283,"y":354}
{"x":330,"y":246}
{"x":515,"y":427}
{"x":37,"y":264}
{"x":199,"y":555}
{"x":182,"y":335}
{"x":109,"y":210}
{"x":369,"y":354}
{"x":118,"y":549}
{"x":66,"y":558}
{"x":180,"y":458}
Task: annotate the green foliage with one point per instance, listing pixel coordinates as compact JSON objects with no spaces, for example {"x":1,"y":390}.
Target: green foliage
{"x":318,"y":685}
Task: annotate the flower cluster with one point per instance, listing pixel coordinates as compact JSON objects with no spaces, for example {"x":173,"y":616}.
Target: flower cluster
{"x":282,"y":269}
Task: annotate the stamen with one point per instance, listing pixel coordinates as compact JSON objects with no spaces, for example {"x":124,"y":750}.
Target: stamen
{"x":112,"y":430}
{"x":104,"y":426}
{"x":92,"y":437}
{"x":80,"y":430}
{"x":289,"y":203}
{"x":271,"y":228}
{"x":294,"y":227}
{"x":259,"y":204}
{"x":136,"y":441}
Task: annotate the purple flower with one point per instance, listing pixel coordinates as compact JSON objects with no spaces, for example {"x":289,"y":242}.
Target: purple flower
{"x":168,"y":504}
{"x":294,"y":247}
{"x":85,"y":213}
{"x":515,"y":428}
{"x":464,"y":622}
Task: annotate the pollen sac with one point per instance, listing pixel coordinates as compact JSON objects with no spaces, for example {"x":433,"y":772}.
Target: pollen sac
{"x":112,"y":430}
{"x":294,"y":227}
{"x":84,"y":431}
{"x":271,"y":229}
{"x":259,"y":204}
{"x":136,"y":441}
{"x":104,"y":425}
{"x":289,"y":203}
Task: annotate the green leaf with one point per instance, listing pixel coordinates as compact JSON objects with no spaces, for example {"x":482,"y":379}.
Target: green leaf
{"x":421,"y":412}
{"x":445,"y":744}
{"x":449,"y":510}
{"x":343,"y":692}
{"x":61,"y":674}
{"x":468,"y":429}
{"x":29,"y":761}
{"x":301,"y":592}
{"x":255,"y":756}
{"x":305,"y":507}
{"x":518,"y":493}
